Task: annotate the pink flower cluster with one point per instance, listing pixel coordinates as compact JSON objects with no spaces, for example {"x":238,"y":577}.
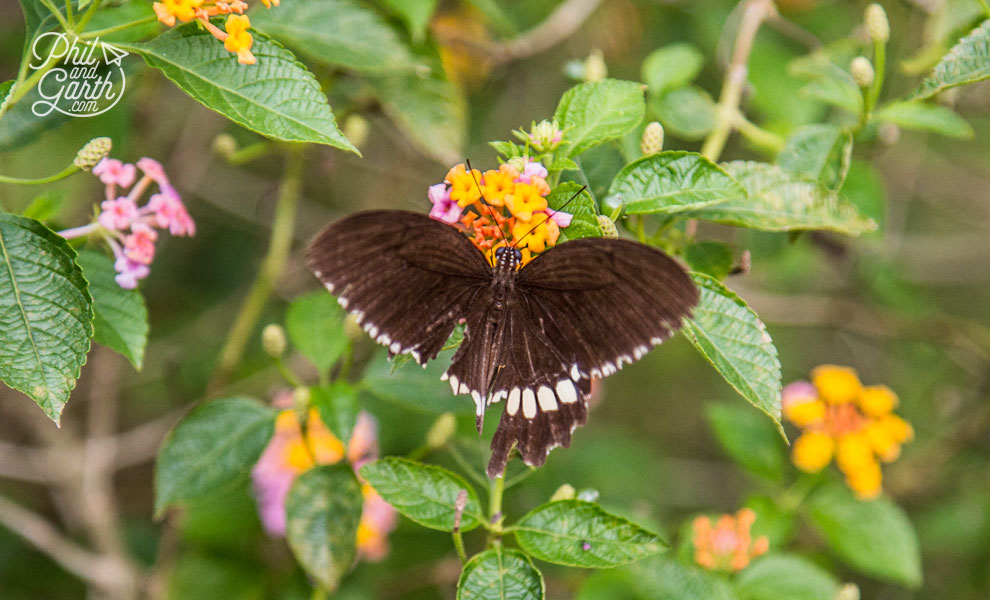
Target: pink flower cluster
{"x":131,"y":230}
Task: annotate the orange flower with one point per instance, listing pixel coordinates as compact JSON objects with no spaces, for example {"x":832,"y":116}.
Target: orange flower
{"x":525,"y":200}
{"x":728,"y":545}
{"x":537,"y":235}
{"x":238,"y":39}
{"x":499,"y":183}
{"x":464,"y":188}
{"x":170,"y":10}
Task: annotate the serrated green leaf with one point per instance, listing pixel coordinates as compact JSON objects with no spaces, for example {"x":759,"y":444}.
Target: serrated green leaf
{"x":926,"y":117}
{"x":786,"y":576}
{"x":585,"y":221}
{"x":673,"y":182}
{"x":413,"y":386}
{"x":424,"y":493}
{"x":726,"y":331}
{"x":414,"y":13}
{"x":710,"y":258}
{"x":874,"y":537}
{"x":315,"y":324}
{"x":671,"y":67}
{"x":967,"y":62}
{"x":116,"y":14}
{"x":46,"y":313}
{"x":669,"y":580}
{"x":343,"y":33}
{"x":120,"y":316}
{"x":864,"y":188}
{"x":277,"y":97}
{"x":500,"y":574}
{"x":427,"y":107}
{"x":778,"y":200}
{"x":322,"y":512}
{"x":582,"y":534}
{"x":830,"y":84}
{"x":593,"y":113}
{"x":337,"y":405}
{"x":748,"y":438}
{"x":819,"y":152}
{"x":214,"y":444}
{"x":688,"y":112}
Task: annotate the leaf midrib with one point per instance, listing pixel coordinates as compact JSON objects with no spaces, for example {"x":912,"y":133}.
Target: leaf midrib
{"x":24,"y":316}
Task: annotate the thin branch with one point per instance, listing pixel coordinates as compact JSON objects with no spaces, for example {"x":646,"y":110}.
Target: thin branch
{"x":26,"y":464}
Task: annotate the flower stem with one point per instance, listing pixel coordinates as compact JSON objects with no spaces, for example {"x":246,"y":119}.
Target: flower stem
{"x":94,"y":5}
{"x":57,"y":14}
{"x":495,"y":517}
{"x":459,"y":545}
{"x":76,"y":232}
{"x":279,"y":245}
{"x":100,"y":32}
{"x":71,"y":169}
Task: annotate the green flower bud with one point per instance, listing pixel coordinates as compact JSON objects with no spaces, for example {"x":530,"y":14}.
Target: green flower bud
{"x":594,"y":66}
{"x":862,"y":71}
{"x":848,"y":591}
{"x":300,"y":399}
{"x":92,"y":153}
{"x":652,"y":141}
{"x":441,"y":431}
{"x":356,"y":129}
{"x":273,"y":340}
{"x":876,"y":22}
{"x":224,"y":146}
{"x":564,"y":492}
{"x":608,"y":227}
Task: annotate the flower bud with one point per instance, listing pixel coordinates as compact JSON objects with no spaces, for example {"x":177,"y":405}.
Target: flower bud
{"x":300,"y":399}
{"x":273,"y":340}
{"x":862,"y":71}
{"x":518,"y":163}
{"x":93,"y":152}
{"x":876,"y":23}
{"x":849,"y":591}
{"x":224,"y":146}
{"x":594,"y":66}
{"x":564,"y":492}
{"x":652,"y":141}
{"x":441,"y":431}
{"x":545,"y":136}
{"x":356,"y":128}
{"x":607,"y":226}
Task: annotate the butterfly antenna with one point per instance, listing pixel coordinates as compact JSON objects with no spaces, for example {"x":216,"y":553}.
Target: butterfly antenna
{"x":551,"y":212}
{"x":486,"y":202}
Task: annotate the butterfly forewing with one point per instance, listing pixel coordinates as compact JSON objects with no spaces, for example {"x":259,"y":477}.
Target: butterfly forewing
{"x":407,"y":278}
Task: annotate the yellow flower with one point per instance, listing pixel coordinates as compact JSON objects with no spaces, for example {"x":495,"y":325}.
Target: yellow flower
{"x":836,"y":385}
{"x":800,"y":404}
{"x":813,"y":451}
{"x":866,"y":481}
{"x":326,"y":447}
{"x":853,"y":451}
{"x":877,"y":400}
{"x":270,"y":3}
{"x":882,"y":439}
{"x":499,"y":183}
{"x":238,"y":39}
{"x":170,"y":10}
{"x":525,"y":200}
{"x":464,"y":188}
{"x":544,"y":234}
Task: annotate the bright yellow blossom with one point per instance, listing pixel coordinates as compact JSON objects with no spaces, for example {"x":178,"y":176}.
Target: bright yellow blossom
{"x":836,"y":385}
{"x":170,"y":10}
{"x":239,"y":41}
{"x":538,"y":234}
{"x":877,"y":400}
{"x":464,"y":185}
{"x":813,"y":451}
{"x":499,"y":183}
{"x":525,"y":200}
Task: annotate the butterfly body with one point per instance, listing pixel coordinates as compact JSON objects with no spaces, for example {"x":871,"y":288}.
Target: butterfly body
{"x":534,"y":336}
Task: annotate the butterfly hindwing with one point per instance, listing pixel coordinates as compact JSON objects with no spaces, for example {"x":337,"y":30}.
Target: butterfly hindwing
{"x":406,"y":277}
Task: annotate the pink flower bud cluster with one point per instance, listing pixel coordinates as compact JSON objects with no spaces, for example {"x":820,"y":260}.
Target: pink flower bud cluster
{"x":131,"y":230}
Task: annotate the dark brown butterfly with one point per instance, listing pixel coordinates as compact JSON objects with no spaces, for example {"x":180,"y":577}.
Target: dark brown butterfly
{"x":534,"y":337}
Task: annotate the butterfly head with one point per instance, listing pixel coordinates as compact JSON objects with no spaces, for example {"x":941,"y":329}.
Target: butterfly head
{"x":508,"y":256}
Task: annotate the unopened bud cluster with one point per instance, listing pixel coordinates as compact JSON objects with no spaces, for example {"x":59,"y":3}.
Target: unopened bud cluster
{"x":607,"y":226}
{"x":876,"y":23}
{"x":652,"y":141}
{"x":862,"y":71}
{"x":92,"y":153}
{"x":273,"y":340}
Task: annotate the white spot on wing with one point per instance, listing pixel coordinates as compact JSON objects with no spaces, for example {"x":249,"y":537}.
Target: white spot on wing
{"x":479,"y":403}
{"x":656,"y":341}
{"x":528,"y":403}
{"x":575,"y":373}
{"x":444,"y":377}
{"x":395,"y":348}
{"x":566,"y":391}
{"x":453,"y":383}
{"x":512,"y":404}
{"x":342,"y":301}
{"x":548,"y":401}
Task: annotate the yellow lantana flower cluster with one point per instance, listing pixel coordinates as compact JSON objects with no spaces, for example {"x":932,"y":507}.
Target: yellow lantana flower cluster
{"x":844,"y":420}
{"x":235,"y":39}
{"x":501,"y":206}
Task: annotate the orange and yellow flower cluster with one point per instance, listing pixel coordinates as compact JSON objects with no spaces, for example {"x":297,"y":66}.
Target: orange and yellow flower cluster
{"x":726,"y":544}
{"x":501,"y":206}
{"x":291,"y":452}
{"x":843,"y":419}
{"x":235,"y":39}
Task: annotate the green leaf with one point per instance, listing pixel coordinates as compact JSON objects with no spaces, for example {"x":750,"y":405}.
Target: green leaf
{"x":277,"y":97}
{"x":786,"y":576}
{"x":778,"y":200}
{"x":671,"y":67}
{"x":413,"y":386}
{"x":581,"y":534}
{"x":748,"y":438}
{"x":670,"y":580}
{"x":424,"y":493}
{"x":919,"y":116}
{"x":819,"y":152}
{"x":427,"y":107}
{"x":214,"y":444}
{"x":500,"y":574}
{"x":864,"y":188}
{"x":830,"y":84}
{"x":585,"y":221}
{"x":120,"y":316}
{"x":315,"y":324}
{"x":195,"y":574}
{"x":414,"y":13}
{"x":46,"y":311}
{"x":711,"y":258}
{"x":967,"y":62}
{"x":44,"y":206}
{"x":5,"y":89}
{"x":688,"y":112}
{"x":735,"y":341}
{"x":593,"y":113}
{"x":874,"y":537}
{"x":322,"y":513}
{"x":673,"y":182}
{"x":776,"y":523}
{"x":337,"y":405}
{"x":336,"y":32}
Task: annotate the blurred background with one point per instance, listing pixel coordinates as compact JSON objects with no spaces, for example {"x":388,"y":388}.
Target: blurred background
{"x":906,"y":306}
